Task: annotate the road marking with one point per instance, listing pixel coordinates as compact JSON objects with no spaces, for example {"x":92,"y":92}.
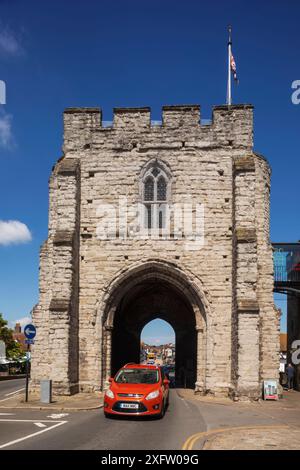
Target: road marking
{"x":7,"y":414}
{"x":16,"y":441}
{"x":28,"y":421}
{"x":40,"y":425}
{"x":190,"y":442}
{"x":16,"y":391}
{"x":17,"y":380}
{"x":57,"y":415}
{"x":184,"y":401}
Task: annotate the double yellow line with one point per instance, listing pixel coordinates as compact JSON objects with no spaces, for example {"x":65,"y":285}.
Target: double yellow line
{"x":190,"y":442}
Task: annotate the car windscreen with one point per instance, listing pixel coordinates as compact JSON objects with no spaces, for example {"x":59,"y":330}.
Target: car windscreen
{"x":137,"y":376}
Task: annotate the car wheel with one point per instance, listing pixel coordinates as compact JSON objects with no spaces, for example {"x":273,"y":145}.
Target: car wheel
{"x":167,"y":403}
{"x":107,"y":415}
{"x":163,"y":409}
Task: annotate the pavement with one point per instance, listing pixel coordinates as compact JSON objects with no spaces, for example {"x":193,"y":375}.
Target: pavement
{"x":12,"y":396}
{"x":78,"y":402}
{"x":266,"y":438}
{"x":258,"y":425}
{"x":191,"y":422}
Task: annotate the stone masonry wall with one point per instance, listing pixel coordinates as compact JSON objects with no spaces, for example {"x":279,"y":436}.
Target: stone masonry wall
{"x":213,"y":165}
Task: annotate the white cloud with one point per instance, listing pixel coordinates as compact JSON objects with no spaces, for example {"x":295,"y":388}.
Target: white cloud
{"x":158,"y":340}
{"x":23,"y":321}
{"x":6,"y":137}
{"x":9,"y":42}
{"x":14,"y":232}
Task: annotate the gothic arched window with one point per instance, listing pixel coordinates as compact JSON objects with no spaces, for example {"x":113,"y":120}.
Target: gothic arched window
{"x":161,"y":189}
{"x":149,"y":189}
{"x":155,"y":196}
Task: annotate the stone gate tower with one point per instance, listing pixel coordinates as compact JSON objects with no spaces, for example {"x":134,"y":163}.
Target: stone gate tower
{"x":98,"y":290}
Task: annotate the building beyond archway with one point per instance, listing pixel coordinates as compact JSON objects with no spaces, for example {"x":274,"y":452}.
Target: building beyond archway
{"x":157,"y":343}
{"x":169,"y":217}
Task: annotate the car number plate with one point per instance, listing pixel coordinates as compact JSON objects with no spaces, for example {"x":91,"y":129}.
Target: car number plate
{"x":130,"y":405}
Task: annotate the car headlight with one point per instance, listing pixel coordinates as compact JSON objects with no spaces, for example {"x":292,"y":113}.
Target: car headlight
{"x":152,"y":395}
{"x":110,"y":393}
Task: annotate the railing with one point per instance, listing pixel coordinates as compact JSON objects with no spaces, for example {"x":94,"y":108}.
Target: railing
{"x":287,"y":265}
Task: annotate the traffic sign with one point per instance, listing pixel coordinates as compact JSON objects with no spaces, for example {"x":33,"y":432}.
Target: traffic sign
{"x":30,"y":331}
{"x":29,"y":341}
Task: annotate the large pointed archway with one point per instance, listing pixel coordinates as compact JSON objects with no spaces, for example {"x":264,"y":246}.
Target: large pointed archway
{"x":155,"y":289}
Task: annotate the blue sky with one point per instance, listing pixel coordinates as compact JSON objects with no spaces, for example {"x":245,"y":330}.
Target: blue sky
{"x":158,"y":332}
{"x":55,"y":54}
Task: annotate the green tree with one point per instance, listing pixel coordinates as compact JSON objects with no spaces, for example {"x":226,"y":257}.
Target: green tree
{"x":13,"y":348}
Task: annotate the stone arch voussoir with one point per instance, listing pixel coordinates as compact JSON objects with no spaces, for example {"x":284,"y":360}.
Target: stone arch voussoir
{"x":187,"y":283}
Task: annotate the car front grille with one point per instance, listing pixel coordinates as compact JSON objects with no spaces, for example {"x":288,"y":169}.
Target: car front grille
{"x":130,"y":395}
{"x":141,"y":407}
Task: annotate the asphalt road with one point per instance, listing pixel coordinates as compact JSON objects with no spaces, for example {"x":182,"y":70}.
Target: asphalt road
{"x":29,"y":429}
{"x":9,"y":387}
{"x":90,"y":430}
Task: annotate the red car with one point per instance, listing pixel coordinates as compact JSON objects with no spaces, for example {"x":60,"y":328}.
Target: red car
{"x":139,"y":390}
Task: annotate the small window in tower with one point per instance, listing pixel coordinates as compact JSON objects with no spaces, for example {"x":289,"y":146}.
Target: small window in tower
{"x":148,"y":216}
{"x":160,"y":221}
{"x":155,"y":172}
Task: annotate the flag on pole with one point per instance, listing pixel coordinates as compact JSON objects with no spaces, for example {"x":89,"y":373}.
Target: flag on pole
{"x":231,"y":68}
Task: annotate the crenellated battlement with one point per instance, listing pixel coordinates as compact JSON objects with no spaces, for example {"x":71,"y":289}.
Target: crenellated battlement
{"x":233,"y":123}
{"x":172,"y":116}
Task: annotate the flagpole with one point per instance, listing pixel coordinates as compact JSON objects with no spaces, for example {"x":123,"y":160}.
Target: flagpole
{"x":229,"y":100}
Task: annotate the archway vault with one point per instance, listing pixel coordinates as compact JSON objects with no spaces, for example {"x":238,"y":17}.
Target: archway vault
{"x":148,"y":290}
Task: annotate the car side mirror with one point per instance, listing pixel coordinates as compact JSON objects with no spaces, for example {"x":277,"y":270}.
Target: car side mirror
{"x":110,"y":379}
{"x":166,"y":382}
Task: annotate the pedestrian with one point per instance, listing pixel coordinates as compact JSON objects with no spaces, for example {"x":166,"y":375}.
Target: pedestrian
{"x":290,"y":371}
